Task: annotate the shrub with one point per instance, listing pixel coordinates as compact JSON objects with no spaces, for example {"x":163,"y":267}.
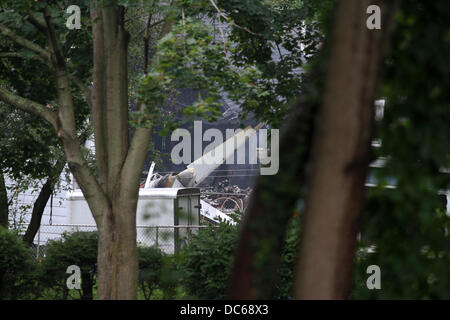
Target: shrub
{"x":76,"y":248}
{"x":207,"y":259}
{"x":288,"y":258}
{"x":80,"y":248}
{"x":150,"y":265}
{"x":206,"y":262}
{"x":18,"y":268}
{"x":411,"y":249}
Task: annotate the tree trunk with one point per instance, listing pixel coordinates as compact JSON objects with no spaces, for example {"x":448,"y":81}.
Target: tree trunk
{"x":41,"y":202}
{"x":120,"y":163}
{"x":117,"y":252}
{"x":3,"y":202}
{"x":38,"y":210}
{"x":112,"y":197}
{"x":340,"y":155}
{"x":273,"y":201}
{"x":116,"y":222}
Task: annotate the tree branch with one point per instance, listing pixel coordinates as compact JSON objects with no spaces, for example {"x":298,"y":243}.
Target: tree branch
{"x":41,"y":202}
{"x":67,"y":133}
{"x":228,"y":19}
{"x":3,"y":201}
{"x":29,"y":106}
{"x":57,"y":55}
{"x":99,"y":95}
{"x":130,"y":177}
{"x":83,"y":88}
{"x":135,"y":156}
{"x":25,"y":43}
{"x":36,"y":23}
{"x":21,"y":56}
{"x":146,"y":43}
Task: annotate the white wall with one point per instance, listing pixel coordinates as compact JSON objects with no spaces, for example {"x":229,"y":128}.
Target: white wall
{"x":59,"y":212}
{"x":57,"y":208}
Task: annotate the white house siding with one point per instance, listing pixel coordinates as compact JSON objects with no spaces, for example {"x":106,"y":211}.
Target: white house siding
{"x":58,"y":207}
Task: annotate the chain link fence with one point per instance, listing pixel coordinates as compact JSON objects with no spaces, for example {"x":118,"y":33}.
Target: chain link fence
{"x":168,"y":238}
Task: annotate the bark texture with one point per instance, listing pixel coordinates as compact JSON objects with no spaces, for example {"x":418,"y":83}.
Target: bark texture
{"x":272,"y":203}
{"x":112,"y":197}
{"x":116,"y":221}
{"x":341,"y":154}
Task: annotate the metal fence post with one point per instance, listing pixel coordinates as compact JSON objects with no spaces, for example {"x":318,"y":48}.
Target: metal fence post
{"x":157,"y":235}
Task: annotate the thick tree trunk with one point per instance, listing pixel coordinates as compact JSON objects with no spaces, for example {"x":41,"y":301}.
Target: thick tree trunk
{"x":3,"y":202}
{"x":120,"y":163}
{"x":117,"y":252}
{"x":112,"y":198}
{"x":340,"y":155}
{"x":273,"y":201}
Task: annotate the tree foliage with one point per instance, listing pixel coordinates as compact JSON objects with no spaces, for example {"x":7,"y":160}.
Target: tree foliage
{"x":76,"y":248}
{"x":407,"y":227}
{"x":255,"y":54}
{"x":18,"y":269}
{"x":207,"y":259}
{"x":277,"y":37}
{"x":205,"y":263}
{"x":151,"y":261}
{"x":29,"y":149}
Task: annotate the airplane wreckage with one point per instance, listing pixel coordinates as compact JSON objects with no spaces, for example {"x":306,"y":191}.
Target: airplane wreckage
{"x":173,"y":202}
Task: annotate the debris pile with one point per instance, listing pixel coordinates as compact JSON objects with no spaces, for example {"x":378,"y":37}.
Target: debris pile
{"x":225,"y":197}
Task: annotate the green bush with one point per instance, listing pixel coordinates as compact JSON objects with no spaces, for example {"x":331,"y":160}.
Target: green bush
{"x":76,"y":248}
{"x":18,"y":268}
{"x":159,"y":274}
{"x":171,"y":278}
{"x":80,"y":248}
{"x":151,"y":261}
{"x":287,"y":263}
{"x":206,"y":261}
{"x":412,"y":250}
